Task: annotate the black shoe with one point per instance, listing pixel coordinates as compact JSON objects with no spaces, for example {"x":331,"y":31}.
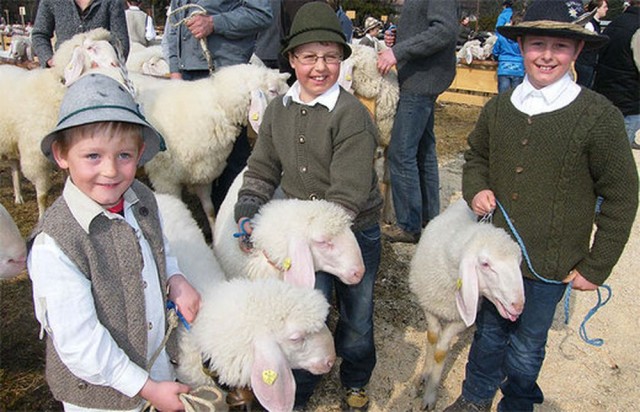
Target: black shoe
{"x":463,"y":405}
{"x":393,"y":233}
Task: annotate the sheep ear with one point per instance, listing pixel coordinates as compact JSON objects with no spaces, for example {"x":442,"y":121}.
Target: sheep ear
{"x":467,"y":290}
{"x":73,"y":70}
{"x":346,"y":75}
{"x":256,"y":109}
{"x":301,"y":271}
{"x":271,"y":377}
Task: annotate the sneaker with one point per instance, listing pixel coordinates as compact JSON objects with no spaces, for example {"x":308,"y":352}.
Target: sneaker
{"x":463,"y":405}
{"x":393,"y":233}
{"x":356,"y":400}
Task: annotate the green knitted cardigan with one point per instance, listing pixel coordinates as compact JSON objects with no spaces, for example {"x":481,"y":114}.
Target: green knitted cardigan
{"x":547,"y":171}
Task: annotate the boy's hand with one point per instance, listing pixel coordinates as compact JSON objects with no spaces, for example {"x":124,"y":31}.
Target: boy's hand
{"x":164,"y":395}
{"x":484,"y":202}
{"x":244,"y":234}
{"x":185,"y":296}
{"x":579,"y":282}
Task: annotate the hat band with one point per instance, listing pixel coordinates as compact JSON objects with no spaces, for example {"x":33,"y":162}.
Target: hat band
{"x":339,"y":32}
{"x":106,"y":106}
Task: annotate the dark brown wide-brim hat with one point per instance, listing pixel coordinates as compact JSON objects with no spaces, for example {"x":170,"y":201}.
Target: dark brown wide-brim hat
{"x":554,"y":18}
{"x":98,"y":98}
{"x":315,"y":22}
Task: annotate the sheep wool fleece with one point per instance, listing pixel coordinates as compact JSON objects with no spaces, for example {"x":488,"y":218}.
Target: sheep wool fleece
{"x":314,"y":153}
{"x":108,"y":256}
{"x":547,"y":171}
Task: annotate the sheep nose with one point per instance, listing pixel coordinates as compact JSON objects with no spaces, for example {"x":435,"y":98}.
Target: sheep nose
{"x":518,"y":307}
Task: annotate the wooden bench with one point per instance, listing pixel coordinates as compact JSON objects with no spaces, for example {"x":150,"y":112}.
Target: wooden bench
{"x":474,"y":84}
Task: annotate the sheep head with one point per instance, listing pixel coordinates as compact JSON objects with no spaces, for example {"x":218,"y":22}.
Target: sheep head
{"x":490,"y":267}
{"x":13,"y":253}
{"x":315,"y":236}
{"x":255,"y":332}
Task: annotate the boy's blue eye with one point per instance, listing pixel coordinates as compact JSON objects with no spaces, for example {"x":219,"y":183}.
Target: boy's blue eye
{"x":93,"y":156}
{"x":126,"y":155}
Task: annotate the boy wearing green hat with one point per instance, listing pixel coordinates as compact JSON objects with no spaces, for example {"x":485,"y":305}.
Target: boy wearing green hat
{"x":318,"y":142}
{"x":547,"y":152}
{"x":101,"y":268}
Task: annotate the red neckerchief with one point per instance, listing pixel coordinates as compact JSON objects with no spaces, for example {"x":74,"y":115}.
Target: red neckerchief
{"x":118,"y":208}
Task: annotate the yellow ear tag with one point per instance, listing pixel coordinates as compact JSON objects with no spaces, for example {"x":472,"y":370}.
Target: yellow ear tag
{"x":255,"y":116}
{"x":269,"y":376}
{"x":286,"y":265}
{"x":459,"y":284}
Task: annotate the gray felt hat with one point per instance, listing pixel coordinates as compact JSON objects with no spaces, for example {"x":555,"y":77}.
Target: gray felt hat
{"x":315,"y":22}
{"x":99,"y":98}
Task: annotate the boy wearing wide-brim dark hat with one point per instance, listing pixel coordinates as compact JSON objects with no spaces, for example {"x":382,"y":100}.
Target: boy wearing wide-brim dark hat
{"x":318,"y":142}
{"x":548,"y":151}
{"x":99,"y":263}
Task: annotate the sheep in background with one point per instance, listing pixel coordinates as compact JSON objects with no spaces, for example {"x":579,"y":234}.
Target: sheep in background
{"x":251,"y":332}
{"x":380,"y":94}
{"x":13,"y":252}
{"x":21,"y":49}
{"x":27,"y":118}
{"x":147,"y":60}
{"x":292,"y":239}
{"x":200,"y":121}
{"x":456,"y":263}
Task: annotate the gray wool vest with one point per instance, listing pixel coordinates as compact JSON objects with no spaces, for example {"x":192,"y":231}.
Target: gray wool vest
{"x":109,"y":256}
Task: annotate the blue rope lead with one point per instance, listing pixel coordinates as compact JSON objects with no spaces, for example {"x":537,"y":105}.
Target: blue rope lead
{"x":567,"y":294}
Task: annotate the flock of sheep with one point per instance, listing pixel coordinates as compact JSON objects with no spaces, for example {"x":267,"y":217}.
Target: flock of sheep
{"x":260,"y":316}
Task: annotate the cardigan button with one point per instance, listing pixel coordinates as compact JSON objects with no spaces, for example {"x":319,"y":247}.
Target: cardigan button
{"x":144,"y":211}
{"x":304,"y":112}
{"x":82,"y":385}
{"x":303,"y":169}
{"x":529,"y":120}
{"x":301,"y":139}
{"x":514,"y":196}
{"x":525,"y":142}
{"x":313,"y":196}
{"x":519,"y":169}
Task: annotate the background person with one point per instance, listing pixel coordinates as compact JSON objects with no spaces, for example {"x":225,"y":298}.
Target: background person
{"x":65,"y":19}
{"x":587,"y":61}
{"x":139,"y":24}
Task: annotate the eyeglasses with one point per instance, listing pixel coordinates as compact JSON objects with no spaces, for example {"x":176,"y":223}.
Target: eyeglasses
{"x":311,"y":59}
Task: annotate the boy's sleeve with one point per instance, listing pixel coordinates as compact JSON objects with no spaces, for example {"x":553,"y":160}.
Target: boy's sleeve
{"x":475,"y":171}
{"x":65,"y":308}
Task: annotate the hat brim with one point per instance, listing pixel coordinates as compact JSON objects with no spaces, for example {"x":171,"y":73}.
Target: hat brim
{"x":319,"y":36}
{"x":551,"y":28}
{"x":153,"y":141}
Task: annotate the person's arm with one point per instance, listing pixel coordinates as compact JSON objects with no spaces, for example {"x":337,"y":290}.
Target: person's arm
{"x":65,"y":308}
{"x":150,"y":30}
{"x":443,"y":27}
{"x":118,"y":26}
{"x":42,"y":33}
{"x":475,"y":171}
{"x":248,"y":19}
{"x":172,"y":40}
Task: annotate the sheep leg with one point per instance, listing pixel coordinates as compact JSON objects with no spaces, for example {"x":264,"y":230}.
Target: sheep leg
{"x":433,"y":333}
{"x":204,"y":194}
{"x":15,"y":177}
{"x":440,"y":351}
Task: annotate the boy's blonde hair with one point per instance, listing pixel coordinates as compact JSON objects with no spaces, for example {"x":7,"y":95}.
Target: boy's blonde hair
{"x":110,"y":129}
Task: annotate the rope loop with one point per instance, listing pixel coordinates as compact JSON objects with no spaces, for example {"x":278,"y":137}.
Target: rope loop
{"x":567,"y":295}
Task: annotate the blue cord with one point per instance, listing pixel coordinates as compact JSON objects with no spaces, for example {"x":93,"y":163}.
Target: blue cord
{"x":171,"y":305}
{"x":567,"y":295}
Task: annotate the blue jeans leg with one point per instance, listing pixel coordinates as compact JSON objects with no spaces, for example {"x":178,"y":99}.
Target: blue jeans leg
{"x":354,"y":331}
{"x":413,"y":162}
{"x":508,"y":82}
{"x":508,"y":354}
{"x":632,"y":125}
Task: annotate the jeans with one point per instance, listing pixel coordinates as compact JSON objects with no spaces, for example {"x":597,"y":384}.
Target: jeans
{"x":236,"y":161}
{"x":413,"y":163}
{"x":354,"y":331}
{"x":508,"y":82}
{"x":632,"y":125}
{"x":509,"y":355}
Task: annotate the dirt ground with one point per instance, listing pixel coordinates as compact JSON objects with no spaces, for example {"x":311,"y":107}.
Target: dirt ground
{"x":575,"y":377}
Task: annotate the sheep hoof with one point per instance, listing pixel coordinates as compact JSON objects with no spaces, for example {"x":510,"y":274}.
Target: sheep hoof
{"x":429,"y":401}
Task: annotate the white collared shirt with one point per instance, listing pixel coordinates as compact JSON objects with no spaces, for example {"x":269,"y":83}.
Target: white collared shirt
{"x":532,"y":101}
{"x":65,"y":308}
{"x":328,"y":99}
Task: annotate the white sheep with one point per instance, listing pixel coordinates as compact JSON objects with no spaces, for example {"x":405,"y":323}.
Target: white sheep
{"x":32,"y":110}
{"x":292,"y":239}
{"x":251,"y":332}
{"x":147,"y":60}
{"x":200,"y":121}
{"x":13,"y":252}
{"x":456,"y":263}
{"x":21,"y":49}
